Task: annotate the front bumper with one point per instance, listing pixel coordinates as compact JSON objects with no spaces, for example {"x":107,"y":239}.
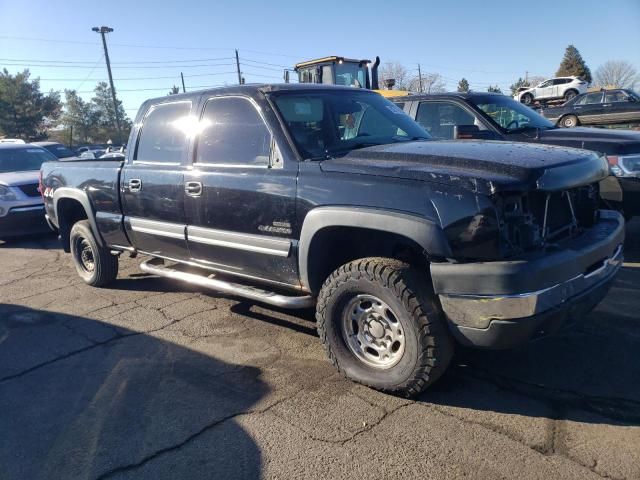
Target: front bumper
{"x":23,"y":221}
{"x":504,"y":304}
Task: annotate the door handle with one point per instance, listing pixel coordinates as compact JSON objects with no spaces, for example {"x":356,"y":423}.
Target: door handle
{"x":606,"y":104}
{"x":193,"y":189}
{"x":135,"y":185}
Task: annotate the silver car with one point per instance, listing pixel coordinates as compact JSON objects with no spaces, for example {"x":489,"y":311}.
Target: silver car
{"x":21,"y":205}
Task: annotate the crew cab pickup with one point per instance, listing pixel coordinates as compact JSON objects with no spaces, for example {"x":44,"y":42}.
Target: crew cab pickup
{"x":303,"y":195}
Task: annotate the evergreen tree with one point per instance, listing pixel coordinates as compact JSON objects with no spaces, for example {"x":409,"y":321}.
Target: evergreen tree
{"x":493,"y":89}
{"x":23,"y":107}
{"x":573,"y":65}
{"x":174,"y":90}
{"x":80,"y":116}
{"x":463,"y":85}
{"x":520,"y":83}
{"x":103,"y":105}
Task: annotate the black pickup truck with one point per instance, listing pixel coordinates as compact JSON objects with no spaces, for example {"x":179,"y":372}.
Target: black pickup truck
{"x":302,"y":195}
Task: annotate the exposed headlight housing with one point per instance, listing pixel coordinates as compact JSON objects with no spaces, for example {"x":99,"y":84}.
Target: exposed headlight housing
{"x":625,"y":165}
{"x":6,"y":194}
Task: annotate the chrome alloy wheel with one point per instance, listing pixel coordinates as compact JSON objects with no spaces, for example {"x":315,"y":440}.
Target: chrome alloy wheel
{"x":372,"y":332}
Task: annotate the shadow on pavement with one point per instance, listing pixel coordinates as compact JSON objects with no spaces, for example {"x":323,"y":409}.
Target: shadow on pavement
{"x":78,"y":400}
{"x":43,"y":241}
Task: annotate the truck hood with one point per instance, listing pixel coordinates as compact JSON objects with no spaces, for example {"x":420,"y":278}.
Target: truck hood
{"x":603,"y":140}
{"x":480,"y":166}
{"x":19,"y":178}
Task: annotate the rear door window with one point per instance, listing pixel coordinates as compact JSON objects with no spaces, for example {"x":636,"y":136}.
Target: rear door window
{"x":610,"y":97}
{"x":592,"y":98}
{"x":439,"y":118}
{"x":233,"y":133}
{"x":164,"y":134}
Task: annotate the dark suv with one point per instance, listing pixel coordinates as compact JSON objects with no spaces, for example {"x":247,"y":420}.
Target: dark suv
{"x":492,"y":116}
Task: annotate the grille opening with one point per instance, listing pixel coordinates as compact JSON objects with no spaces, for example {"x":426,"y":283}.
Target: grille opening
{"x":30,"y":190}
{"x":535,"y":220}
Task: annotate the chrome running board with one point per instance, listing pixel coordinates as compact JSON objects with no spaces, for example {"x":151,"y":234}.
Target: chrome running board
{"x":156,"y":266}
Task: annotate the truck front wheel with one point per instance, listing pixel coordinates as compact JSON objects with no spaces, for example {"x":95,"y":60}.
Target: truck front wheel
{"x":381,"y":326}
{"x":95,"y":265}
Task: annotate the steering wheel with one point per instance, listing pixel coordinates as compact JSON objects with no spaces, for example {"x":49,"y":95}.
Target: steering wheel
{"x":508,"y":127}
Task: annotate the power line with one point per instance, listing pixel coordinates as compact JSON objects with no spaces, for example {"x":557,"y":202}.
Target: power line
{"x":168,"y":77}
{"x":265,"y":63}
{"x":120,"y":67}
{"x":158,"y":89}
{"x":261,"y":67}
{"x":91,"y":72}
{"x":85,"y":62}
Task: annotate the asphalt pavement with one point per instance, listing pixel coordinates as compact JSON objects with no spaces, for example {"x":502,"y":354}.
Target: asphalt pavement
{"x":150,"y":379}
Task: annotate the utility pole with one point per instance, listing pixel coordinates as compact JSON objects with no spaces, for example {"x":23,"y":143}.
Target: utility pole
{"x":238,"y":68}
{"x":102,"y":30}
{"x":184,"y":90}
{"x":526,"y":77}
{"x":420,"y":78}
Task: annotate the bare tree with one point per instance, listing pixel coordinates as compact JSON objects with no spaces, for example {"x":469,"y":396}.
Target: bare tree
{"x":431,"y":83}
{"x":617,"y":74}
{"x":396,"y":71}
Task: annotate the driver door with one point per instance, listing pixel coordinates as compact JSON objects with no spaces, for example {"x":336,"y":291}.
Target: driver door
{"x":544,"y":90}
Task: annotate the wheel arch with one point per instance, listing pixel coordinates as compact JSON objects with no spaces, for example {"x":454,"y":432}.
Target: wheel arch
{"x":332,"y":236}
{"x":71,"y":205}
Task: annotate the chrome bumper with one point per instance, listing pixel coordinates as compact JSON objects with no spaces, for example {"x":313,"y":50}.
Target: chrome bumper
{"x":478,"y":311}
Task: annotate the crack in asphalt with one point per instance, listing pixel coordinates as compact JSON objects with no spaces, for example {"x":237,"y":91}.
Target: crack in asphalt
{"x":90,"y":347}
{"x":190,"y":438}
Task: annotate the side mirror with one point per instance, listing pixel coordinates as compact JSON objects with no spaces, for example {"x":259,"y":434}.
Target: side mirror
{"x":631,"y":99}
{"x":462,"y":132}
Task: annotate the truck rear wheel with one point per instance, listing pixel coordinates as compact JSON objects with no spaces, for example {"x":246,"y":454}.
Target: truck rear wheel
{"x":381,"y":326}
{"x":95,"y":265}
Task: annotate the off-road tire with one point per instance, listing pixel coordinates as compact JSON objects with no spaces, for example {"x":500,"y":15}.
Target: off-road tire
{"x":429,"y":345}
{"x":569,"y":121}
{"x":105,"y":265}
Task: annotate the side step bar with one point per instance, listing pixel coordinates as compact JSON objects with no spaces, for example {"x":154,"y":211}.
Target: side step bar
{"x":156,"y":266}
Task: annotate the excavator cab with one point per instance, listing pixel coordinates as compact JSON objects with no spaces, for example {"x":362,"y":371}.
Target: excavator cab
{"x":339,"y":71}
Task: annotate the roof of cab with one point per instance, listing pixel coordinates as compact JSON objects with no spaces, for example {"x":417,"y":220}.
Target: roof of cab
{"x":460,"y":95}
{"x":249,"y":89}
{"x":18,"y":146}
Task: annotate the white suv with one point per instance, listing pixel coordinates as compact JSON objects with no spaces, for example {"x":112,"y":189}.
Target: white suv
{"x":553,"y":89}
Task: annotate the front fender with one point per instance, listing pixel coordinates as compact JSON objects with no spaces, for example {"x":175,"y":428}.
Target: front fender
{"x":423,"y":231}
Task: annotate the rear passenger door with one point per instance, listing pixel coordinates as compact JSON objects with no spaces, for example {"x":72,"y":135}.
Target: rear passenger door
{"x":240,"y":194}
{"x":589,"y":108}
{"x":439,"y":118}
{"x":152,"y":183}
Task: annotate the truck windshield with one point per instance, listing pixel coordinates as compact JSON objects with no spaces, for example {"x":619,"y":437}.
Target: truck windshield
{"x":509,"y":114}
{"x":350,"y":75}
{"x":23,"y":159}
{"x":330,"y":123}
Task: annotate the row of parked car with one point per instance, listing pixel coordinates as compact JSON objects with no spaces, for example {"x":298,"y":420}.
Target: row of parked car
{"x":581,"y":107}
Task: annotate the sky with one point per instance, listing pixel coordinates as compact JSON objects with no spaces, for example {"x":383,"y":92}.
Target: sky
{"x":487,"y":42}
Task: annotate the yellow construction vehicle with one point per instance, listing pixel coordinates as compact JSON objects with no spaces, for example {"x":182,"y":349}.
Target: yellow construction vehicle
{"x":350,"y":72}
